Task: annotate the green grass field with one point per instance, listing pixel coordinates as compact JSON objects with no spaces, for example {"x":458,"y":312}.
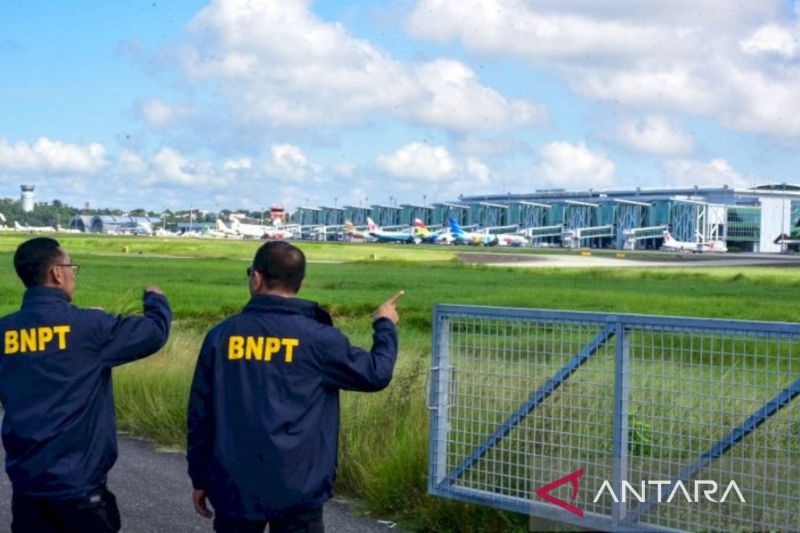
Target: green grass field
{"x":384,"y":438}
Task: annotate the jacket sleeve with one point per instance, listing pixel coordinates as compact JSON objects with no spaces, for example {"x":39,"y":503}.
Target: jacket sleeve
{"x":352,"y":368}
{"x":124,"y":339}
{"x":200,"y":434}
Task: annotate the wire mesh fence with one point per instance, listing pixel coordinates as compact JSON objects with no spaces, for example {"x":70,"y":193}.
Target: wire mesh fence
{"x":649,"y":422}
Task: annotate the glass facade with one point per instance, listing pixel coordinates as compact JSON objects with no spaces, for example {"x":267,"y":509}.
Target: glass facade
{"x":744,"y":224}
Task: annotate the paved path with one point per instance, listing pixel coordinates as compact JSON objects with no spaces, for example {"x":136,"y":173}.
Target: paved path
{"x":154,"y":495}
{"x":605,"y":261}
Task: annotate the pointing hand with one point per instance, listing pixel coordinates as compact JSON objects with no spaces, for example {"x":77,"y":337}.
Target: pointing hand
{"x":387,"y":309}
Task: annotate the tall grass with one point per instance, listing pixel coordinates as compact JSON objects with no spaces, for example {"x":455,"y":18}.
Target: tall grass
{"x":384,"y":436}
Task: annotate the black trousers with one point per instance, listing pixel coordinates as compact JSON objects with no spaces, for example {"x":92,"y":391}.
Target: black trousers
{"x":307,"y":522}
{"x":96,"y":513}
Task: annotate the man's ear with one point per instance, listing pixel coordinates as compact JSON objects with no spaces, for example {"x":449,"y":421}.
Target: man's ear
{"x":56,"y":275}
{"x":256,"y":281}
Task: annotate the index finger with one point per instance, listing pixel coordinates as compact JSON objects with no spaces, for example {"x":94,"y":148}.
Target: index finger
{"x":393,"y":299}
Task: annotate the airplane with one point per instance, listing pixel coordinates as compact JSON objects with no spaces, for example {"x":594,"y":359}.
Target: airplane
{"x":441,"y":236}
{"x":161,"y":232}
{"x":391,"y":236}
{"x":18,"y":227}
{"x":252,"y":231}
{"x":510,"y":239}
{"x":670,"y":244}
{"x":351,"y":231}
{"x":475,"y":239}
{"x":2,"y":222}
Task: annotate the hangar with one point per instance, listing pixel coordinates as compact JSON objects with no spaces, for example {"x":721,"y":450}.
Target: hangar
{"x":114,"y":224}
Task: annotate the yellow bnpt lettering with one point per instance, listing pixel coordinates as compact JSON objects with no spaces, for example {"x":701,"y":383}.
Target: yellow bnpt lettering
{"x":62,"y":331}
{"x":27,"y":340}
{"x":273,"y":345}
{"x":235,"y":347}
{"x":45,"y":336}
{"x":255,"y":347}
{"x":290,"y":345}
{"x":12,"y":342}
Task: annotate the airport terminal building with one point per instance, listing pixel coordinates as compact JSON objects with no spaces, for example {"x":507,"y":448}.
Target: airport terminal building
{"x":759,"y":219}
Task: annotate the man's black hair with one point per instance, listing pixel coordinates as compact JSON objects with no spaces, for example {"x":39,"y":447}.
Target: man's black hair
{"x":34,"y":259}
{"x":282,"y":264}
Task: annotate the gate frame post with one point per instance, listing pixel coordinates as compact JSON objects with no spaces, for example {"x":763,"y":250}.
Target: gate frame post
{"x":439,"y":409}
{"x":621,"y":436}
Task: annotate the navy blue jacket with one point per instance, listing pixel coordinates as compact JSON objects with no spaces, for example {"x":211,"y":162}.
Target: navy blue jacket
{"x":59,"y":427}
{"x":264,"y":405}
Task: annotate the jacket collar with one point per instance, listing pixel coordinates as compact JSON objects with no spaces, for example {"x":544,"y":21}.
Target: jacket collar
{"x":43,"y":295}
{"x":290,"y":306}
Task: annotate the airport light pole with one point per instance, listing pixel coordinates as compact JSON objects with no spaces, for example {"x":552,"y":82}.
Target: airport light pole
{"x":783,"y":219}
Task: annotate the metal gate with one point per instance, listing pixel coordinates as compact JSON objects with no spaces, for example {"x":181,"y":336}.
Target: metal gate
{"x":617,"y":422}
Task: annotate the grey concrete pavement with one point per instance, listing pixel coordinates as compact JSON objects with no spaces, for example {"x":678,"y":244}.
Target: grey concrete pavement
{"x":154,"y":495}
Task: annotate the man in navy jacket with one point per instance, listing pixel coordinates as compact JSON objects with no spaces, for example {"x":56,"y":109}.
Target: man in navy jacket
{"x":59,"y":426}
{"x":264,"y":405}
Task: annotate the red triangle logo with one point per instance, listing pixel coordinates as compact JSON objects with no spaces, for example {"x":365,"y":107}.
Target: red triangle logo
{"x":544,"y":492}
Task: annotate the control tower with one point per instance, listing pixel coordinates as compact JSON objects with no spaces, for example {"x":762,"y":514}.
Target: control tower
{"x":27,"y":198}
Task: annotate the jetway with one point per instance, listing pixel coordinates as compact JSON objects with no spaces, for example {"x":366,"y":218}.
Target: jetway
{"x":573,"y":238}
{"x":536,"y":234}
{"x":633,"y":235}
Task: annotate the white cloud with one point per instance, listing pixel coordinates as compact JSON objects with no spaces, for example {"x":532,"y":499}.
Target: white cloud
{"x":512,"y":26}
{"x":573,"y":166}
{"x":436,"y":168}
{"x":655,"y":135}
{"x":687,"y":173}
{"x":277,"y":64}
{"x":288,"y":160}
{"x":157,"y":113}
{"x":50,"y":156}
{"x":169,"y":165}
{"x":477,"y":171}
{"x":691,"y":56}
{"x":243,"y":163}
{"x":774,"y":39}
{"x":131,"y":164}
{"x":419,"y":161}
{"x":455,"y":98}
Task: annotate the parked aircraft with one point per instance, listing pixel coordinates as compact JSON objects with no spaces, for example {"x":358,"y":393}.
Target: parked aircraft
{"x":441,"y":236}
{"x":251,"y":231}
{"x":351,"y":231}
{"x":511,"y":239}
{"x":19,"y":227}
{"x":695,"y":247}
{"x":475,"y":239}
{"x":391,"y":236}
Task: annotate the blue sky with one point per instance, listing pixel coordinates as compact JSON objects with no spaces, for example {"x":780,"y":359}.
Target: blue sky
{"x":240,"y":103}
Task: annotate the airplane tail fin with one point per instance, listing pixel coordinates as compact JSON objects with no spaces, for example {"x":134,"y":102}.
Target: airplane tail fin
{"x":454,"y":227}
{"x":420,"y":229}
{"x":371,"y":226}
{"x":221,"y":225}
{"x":668,"y":238}
{"x":17,"y":226}
{"x":349,"y":227}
